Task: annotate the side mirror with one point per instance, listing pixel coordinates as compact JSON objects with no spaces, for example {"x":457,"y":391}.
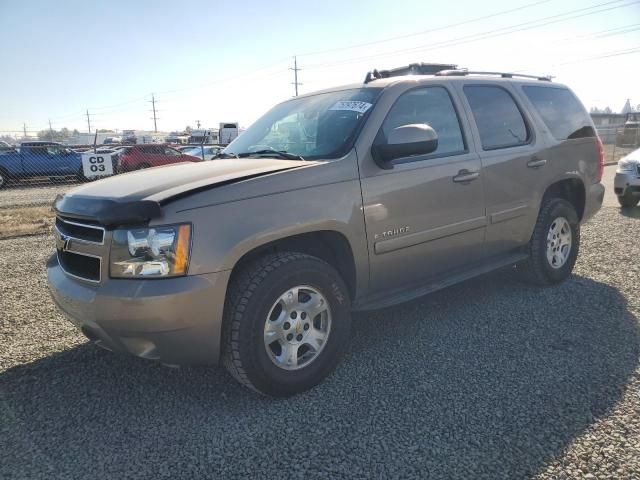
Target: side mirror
{"x":405,"y":141}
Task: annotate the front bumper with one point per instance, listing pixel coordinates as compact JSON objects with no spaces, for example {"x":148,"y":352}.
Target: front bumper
{"x":627,"y":181}
{"x":176,"y":320}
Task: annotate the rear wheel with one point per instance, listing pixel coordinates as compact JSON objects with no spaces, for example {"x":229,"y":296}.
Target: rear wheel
{"x":554,"y":245}
{"x":286,"y":322}
{"x":4,"y":179}
{"x":142,"y":166}
{"x":628,"y":200}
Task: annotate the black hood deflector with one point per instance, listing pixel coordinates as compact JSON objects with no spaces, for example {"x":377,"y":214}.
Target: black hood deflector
{"x":107,"y":212}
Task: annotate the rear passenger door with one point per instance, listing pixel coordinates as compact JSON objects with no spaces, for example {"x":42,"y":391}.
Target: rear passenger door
{"x":423,"y":219}
{"x":513,"y":163}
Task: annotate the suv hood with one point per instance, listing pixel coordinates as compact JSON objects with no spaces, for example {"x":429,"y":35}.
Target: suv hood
{"x":138,"y":196}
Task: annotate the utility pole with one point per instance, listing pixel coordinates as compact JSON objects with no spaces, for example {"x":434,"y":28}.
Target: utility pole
{"x":88,"y":121}
{"x":24,"y":129}
{"x":198,"y":123}
{"x":50,"y":130}
{"x":155,"y":119}
{"x":295,"y":74}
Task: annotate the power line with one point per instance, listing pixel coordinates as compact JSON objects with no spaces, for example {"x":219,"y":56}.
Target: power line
{"x":541,"y":22}
{"x":424,"y":32}
{"x":295,"y":73}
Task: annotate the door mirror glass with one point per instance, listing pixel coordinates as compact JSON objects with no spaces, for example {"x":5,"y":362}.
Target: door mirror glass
{"x":405,"y":141}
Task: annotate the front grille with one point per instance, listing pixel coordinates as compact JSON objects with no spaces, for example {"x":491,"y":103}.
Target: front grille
{"x":80,"y":231}
{"x":80,"y":247}
{"x":80,"y":265}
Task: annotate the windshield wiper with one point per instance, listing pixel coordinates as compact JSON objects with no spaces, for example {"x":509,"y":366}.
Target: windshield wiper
{"x":226,"y":155}
{"x":269,"y":151}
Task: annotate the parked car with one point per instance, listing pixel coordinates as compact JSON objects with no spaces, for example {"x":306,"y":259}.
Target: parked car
{"x":138,"y":157}
{"x":5,"y":147}
{"x":112,"y":141}
{"x":39,"y":159}
{"x":353,"y":198}
{"x":205,"y":152}
{"x":626,"y":183}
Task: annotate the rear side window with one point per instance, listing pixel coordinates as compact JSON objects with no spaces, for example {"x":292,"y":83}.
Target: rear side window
{"x":561,"y":112}
{"x":433,"y":106}
{"x":497,"y":116}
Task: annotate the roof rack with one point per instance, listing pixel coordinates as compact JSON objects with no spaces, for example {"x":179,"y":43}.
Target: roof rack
{"x":411,"y":69}
{"x":463,"y":72}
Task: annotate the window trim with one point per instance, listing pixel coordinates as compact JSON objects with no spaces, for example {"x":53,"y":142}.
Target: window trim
{"x":527,"y":123}
{"x":429,"y":156}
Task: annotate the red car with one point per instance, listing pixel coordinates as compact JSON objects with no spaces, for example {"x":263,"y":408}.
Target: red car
{"x":137,"y":157}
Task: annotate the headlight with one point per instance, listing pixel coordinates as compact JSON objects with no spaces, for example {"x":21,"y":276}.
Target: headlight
{"x":161,"y":251}
{"x":626,"y":166}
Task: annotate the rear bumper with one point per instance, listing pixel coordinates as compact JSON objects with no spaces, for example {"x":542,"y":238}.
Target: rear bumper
{"x":627,"y":181}
{"x":593,"y":200}
{"x":176,"y":321}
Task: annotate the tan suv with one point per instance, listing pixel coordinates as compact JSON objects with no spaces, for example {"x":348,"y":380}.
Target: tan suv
{"x":352,"y":198}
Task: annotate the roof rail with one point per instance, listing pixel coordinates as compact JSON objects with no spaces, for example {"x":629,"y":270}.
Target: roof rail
{"x":411,"y":69}
{"x":463,"y":72}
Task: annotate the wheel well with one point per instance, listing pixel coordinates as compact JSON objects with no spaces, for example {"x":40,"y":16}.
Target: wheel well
{"x":572,"y":190}
{"x":330,"y":246}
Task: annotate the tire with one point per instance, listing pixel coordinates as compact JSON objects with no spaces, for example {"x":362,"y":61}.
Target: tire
{"x":4,"y":179}
{"x":627,"y":200}
{"x":253,"y":298}
{"x":538,"y":268}
{"x":143,"y":166}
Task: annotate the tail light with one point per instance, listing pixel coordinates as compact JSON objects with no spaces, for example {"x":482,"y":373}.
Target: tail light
{"x":601,"y":153}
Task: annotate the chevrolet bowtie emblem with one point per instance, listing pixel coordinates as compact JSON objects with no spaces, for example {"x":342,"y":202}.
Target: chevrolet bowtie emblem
{"x":62,"y":242}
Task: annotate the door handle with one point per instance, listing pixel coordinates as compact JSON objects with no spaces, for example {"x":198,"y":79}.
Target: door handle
{"x":535,"y":163}
{"x":465,"y":176}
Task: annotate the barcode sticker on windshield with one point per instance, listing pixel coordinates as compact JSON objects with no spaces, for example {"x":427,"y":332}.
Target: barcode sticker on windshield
{"x":352,"y":106}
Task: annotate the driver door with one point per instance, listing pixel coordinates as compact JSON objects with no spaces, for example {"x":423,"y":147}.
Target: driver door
{"x":425,"y":217}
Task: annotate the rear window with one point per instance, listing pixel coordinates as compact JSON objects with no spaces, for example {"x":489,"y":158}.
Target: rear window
{"x":497,"y":117}
{"x":561,"y":112}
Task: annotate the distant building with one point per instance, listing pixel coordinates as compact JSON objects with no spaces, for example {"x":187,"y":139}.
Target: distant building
{"x":607,"y":124}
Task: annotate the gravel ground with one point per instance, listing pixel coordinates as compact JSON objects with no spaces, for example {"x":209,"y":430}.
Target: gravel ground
{"x":22,"y":196}
{"x":488,"y":379}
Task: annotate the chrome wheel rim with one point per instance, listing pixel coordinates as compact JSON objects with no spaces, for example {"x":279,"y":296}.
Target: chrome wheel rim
{"x":297,"y":327}
{"x":559,"y":242}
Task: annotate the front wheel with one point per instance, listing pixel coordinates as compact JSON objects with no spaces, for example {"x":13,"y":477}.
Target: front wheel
{"x":628,"y":200}
{"x":554,"y":245}
{"x":4,"y":179}
{"x":286,"y":322}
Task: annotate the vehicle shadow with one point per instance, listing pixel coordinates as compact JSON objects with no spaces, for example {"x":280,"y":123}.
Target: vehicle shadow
{"x":631,"y":212}
{"x":490,"y":376}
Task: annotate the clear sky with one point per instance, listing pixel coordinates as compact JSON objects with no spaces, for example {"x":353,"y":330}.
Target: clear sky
{"x":219,"y":61}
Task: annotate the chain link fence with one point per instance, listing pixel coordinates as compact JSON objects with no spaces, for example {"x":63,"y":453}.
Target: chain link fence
{"x":32,"y":173}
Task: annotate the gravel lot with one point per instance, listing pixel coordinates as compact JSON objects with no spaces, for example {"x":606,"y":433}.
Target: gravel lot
{"x":21,"y":196}
{"x":488,"y":379}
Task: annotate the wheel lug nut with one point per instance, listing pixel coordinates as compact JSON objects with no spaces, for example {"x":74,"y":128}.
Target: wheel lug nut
{"x":303,"y":315}
{"x":290,"y":337}
{"x":294,"y":315}
{"x":286,"y":325}
{"x":299,"y":337}
{"x":306,"y":326}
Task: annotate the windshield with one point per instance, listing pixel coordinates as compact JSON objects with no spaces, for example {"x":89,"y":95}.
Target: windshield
{"x":319,"y":126}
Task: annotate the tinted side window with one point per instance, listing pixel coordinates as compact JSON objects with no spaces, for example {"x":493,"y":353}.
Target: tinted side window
{"x":561,"y":112}
{"x":497,"y":116}
{"x":433,"y":106}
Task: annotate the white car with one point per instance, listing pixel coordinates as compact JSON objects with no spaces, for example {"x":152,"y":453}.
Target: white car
{"x":206,"y":152}
{"x":626,"y":184}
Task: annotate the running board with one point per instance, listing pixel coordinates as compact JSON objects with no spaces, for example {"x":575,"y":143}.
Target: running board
{"x":383,"y":301}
